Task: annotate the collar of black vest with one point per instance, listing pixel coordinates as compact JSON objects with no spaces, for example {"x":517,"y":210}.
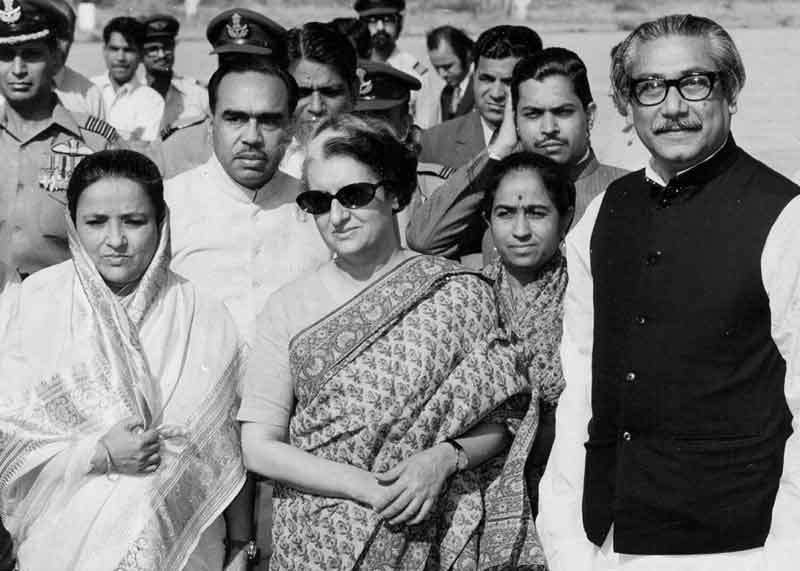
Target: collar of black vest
{"x":687,"y":183}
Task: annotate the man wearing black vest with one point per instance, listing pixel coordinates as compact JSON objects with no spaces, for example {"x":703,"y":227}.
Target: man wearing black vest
{"x":681,"y":336}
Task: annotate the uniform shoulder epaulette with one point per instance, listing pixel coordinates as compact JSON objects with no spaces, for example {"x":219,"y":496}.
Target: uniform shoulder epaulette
{"x":435,"y":169}
{"x":100,"y":127}
{"x":176,"y":126}
{"x":420,"y":68}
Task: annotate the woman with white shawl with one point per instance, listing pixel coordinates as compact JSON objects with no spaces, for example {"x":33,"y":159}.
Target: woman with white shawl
{"x":119,"y":447}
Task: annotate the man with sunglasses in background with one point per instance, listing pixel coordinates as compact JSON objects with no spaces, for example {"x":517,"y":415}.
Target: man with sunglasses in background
{"x":184,"y":97}
{"x":385,"y":21}
{"x":681,"y":341}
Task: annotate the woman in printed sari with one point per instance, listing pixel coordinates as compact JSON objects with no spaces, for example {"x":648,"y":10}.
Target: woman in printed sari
{"x":120,"y":448}
{"x":528,"y":203}
{"x":381,"y":395}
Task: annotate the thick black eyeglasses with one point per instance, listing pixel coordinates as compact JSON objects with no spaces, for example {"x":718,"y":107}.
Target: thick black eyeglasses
{"x":695,"y":86}
{"x":354,"y":195}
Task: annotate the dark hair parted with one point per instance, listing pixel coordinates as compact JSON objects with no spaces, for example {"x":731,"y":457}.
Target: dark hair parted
{"x":322,"y":43}
{"x":721,"y":49}
{"x":121,"y":164}
{"x":254,"y":65}
{"x":549,"y":62}
{"x":375,"y":144}
{"x":506,"y":41}
{"x":129,"y":28}
{"x":556,"y":179}
{"x":457,"y":39}
{"x":357,"y":31}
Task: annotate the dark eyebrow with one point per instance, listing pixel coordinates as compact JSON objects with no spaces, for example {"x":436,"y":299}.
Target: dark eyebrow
{"x":268,"y":117}
{"x":527,"y":207}
{"x":682,"y":73}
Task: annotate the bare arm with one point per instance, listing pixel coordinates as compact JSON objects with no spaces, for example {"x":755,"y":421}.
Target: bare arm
{"x":266,"y":452}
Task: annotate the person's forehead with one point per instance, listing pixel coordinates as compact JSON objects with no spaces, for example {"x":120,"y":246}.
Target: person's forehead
{"x":671,"y":56}
{"x":118,"y":40}
{"x":521,"y":187}
{"x":443,"y":50}
{"x":551,"y":91}
{"x":159,"y":42}
{"x":314,"y":74}
{"x":497,"y":67}
{"x":252,"y":91}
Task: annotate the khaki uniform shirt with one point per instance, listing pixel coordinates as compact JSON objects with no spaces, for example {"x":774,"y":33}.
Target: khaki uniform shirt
{"x":186,"y":100}
{"x":182,"y":147}
{"x":35,"y":172}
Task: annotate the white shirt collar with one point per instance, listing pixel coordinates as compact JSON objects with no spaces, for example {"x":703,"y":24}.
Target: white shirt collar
{"x":465,"y":82}
{"x":488,"y":131}
{"x":651,"y":174}
{"x":232,"y":188}
{"x":125,"y":88}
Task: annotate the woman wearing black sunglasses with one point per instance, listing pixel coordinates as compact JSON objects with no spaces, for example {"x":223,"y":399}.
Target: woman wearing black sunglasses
{"x":380,"y":390}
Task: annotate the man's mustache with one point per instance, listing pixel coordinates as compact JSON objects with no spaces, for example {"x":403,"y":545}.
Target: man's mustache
{"x":673,"y":126}
{"x":381,"y":38}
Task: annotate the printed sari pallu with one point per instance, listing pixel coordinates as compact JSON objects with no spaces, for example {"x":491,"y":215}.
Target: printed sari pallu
{"x":412,"y":360}
{"x":81,"y":361}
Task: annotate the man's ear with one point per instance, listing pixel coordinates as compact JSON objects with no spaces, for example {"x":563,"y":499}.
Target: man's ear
{"x":591,"y":114}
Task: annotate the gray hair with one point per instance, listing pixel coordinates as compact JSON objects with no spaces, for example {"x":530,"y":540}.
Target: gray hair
{"x":723,"y":52}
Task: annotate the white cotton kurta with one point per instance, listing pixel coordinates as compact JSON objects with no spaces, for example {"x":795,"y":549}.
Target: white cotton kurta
{"x":560,"y":523}
{"x":238,"y":245}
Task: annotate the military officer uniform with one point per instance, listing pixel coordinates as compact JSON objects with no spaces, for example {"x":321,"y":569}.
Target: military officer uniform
{"x":33,"y":184}
{"x":185,"y":98}
{"x":398,"y":59}
{"x":186,"y":143}
{"x":37,"y":164}
{"x":385,"y":93}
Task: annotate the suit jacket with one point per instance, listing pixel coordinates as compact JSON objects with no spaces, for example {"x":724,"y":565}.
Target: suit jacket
{"x":454,"y":143}
{"x":465,"y":105}
{"x":428,"y":109}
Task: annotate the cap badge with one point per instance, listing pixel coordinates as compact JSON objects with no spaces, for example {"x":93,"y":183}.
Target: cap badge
{"x":159,"y":25}
{"x":365,"y":85}
{"x":10,"y":14}
{"x":237,"y":30}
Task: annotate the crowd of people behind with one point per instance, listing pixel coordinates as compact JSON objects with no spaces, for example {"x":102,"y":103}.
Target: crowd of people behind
{"x":332,"y":309}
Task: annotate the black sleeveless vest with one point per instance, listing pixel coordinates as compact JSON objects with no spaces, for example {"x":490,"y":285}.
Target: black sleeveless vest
{"x":689,"y":418}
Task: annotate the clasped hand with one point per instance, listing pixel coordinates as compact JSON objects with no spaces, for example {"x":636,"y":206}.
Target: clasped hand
{"x":132,"y":449}
{"x":407,"y":493}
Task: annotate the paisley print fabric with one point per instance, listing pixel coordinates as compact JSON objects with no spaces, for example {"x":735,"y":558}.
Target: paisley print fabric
{"x":533,"y":319}
{"x":80,"y":362}
{"x":412,"y":360}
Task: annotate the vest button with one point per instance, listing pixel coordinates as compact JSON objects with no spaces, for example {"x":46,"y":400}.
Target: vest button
{"x":630,"y":376}
{"x":653,"y":257}
{"x":626,"y":436}
{"x":641,"y":320}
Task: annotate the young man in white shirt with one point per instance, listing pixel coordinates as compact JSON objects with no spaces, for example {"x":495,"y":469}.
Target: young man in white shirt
{"x":132,"y":107}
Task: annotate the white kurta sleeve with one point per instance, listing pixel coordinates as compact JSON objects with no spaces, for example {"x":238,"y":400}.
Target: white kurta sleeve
{"x":560,"y":521}
{"x":780,"y":270}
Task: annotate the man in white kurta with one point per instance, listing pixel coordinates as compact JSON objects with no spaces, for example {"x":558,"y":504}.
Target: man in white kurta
{"x":239,"y":244}
{"x":681,"y":337}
